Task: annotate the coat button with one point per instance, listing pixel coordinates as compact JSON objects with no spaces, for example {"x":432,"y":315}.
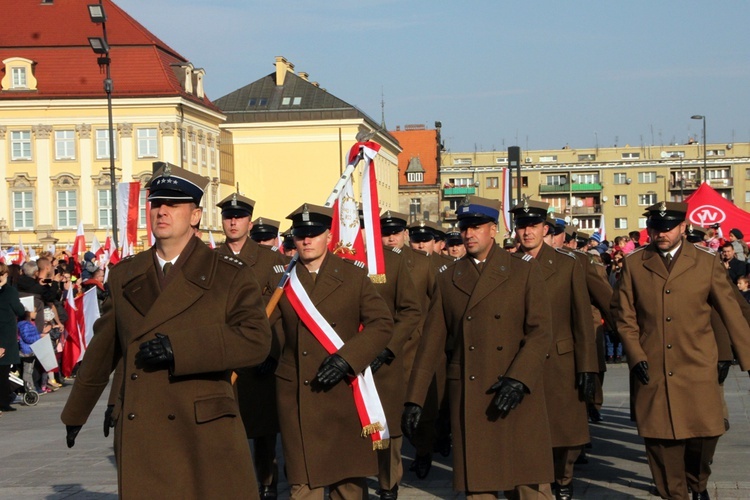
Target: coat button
{"x":471,"y":347}
{"x":304,"y":353}
{"x":547,"y":356}
{"x":669,"y":318}
{"x":670,"y":374}
{"x":134,"y":376}
{"x":669,"y":346}
{"x":333,"y":324}
{"x":171,"y":416}
{"x":306,"y":382}
{"x":497,"y":316}
{"x":668,"y":291}
{"x":472,"y":377}
{"x":500,"y":348}
{"x":131,"y":416}
{"x":468,"y":318}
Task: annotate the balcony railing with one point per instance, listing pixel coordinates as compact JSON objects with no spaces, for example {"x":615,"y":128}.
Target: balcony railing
{"x":459,"y":191}
{"x":593,"y":186}
{"x":557,"y":188}
{"x":567,"y":188}
{"x":596,"y":209}
{"x":721,"y":183}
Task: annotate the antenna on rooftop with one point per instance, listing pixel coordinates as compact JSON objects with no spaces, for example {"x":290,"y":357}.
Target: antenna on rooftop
{"x":382,"y":109}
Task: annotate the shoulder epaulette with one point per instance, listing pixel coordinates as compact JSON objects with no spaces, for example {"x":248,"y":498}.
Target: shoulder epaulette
{"x":230,"y":259}
{"x":278,"y":268}
{"x":357,"y":263}
{"x":523,"y":256}
{"x":395,"y":250}
{"x":639,"y":249}
{"x":274,"y":248}
{"x":442,"y":268}
{"x":129,"y":257}
{"x":565,"y":253}
{"x":710,"y":251}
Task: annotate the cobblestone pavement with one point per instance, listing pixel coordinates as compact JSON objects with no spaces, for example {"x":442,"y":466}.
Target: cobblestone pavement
{"x":36,"y":464}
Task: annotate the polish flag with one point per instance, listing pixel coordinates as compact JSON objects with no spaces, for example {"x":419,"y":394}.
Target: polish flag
{"x":82,"y":312}
{"x":602,"y":230}
{"x":21,"y":254}
{"x":346,"y":238}
{"x":506,"y":200}
{"x":79,"y":245}
{"x":211,"y":242}
{"x":128,"y":196}
{"x":97,"y":248}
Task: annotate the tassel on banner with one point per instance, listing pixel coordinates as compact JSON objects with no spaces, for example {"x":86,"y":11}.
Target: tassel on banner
{"x":377,"y":278}
{"x":382,"y":444}
{"x":370,"y":429}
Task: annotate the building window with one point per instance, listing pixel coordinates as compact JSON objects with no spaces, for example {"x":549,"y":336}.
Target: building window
{"x":548,"y":159}
{"x":621,"y":178}
{"x":717,"y":173}
{"x":557,"y":180}
{"x":142,"y":203}
{"x":588,"y":224}
{"x":184,"y":144}
{"x":716,"y":152}
{"x":65,"y":145}
{"x":646,"y":177}
{"x":588,"y":179}
{"x":621,"y":200}
{"x":641,"y":222}
{"x":621,"y":223}
{"x":747,"y":196}
{"x":415,"y":209}
{"x":203,"y":155}
{"x":23,"y":210}
{"x":461,"y":182}
{"x":492,"y":182}
{"x":501,"y":161}
{"x":102,"y":144}
{"x":524,"y":181}
{"x":297,"y":101}
{"x":285,"y":101}
{"x":462,"y":161}
{"x":67,"y":211}
{"x":104,"y":197}
{"x":193,"y":150}
{"x":213,"y":156}
{"x":19,"y":78}
{"x":414,"y":177}
{"x":147,"y":146}
{"x":631,"y":156}
{"x":587,"y":157}
{"x":20,"y":145}
{"x":647,"y":199}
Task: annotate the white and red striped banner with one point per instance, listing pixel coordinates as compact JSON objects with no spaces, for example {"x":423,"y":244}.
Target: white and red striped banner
{"x":366,"y":399}
{"x":128,"y":195}
{"x":371,"y":212}
{"x":82,"y":312}
{"x":506,"y":205}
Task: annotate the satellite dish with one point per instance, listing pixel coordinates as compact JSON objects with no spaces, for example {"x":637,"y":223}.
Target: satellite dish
{"x":579,"y":203}
{"x":729,"y":146}
{"x":605,"y":199}
{"x":567,"y":219}
{"x":575,"y":221}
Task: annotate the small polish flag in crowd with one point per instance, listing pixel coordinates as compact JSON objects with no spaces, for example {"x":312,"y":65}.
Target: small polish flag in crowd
{"x":82,"y":312}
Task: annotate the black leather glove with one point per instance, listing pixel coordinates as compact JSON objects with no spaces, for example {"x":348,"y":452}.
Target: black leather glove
{"x":384,"y":358}
{"x":156,"y":353}
{"x":410,"y":419}
{"x":509,"y":393}
{"x":724,"y":367}
{"x":586,"y":383}
{"x":72,"y":432}
{"x":332,"y":371}
{"x":108,"y":422}
{"x":267,"y":367}
{"x":641,"y":372}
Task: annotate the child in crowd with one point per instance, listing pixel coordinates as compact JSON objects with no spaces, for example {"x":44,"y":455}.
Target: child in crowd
{"x":32,"y":369}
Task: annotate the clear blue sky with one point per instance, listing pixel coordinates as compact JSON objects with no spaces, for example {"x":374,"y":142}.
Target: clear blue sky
{"x":539,"y":74}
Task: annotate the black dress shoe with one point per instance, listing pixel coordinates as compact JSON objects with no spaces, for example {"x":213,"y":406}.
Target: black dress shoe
{"x":703,"y":495}
{"x":421,"y":465}
{"x":594,"y":415}
{"x":564,"y":492}
{"x":8,"y":408}
{"x":443,"y":445}
{"x":268,"y":492}
{"x":391,"y":494}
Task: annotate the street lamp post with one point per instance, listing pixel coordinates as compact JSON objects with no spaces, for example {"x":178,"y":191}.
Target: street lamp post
{"x":100,"y":46}
{"x":703,"y":117}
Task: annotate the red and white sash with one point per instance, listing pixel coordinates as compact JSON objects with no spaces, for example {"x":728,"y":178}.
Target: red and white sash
{"x":366,"y":399}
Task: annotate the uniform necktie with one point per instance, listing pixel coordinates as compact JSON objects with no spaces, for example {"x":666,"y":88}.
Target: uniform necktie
{"x":480,"y":266}
{"x":668,"y":259}
{"x":165,"y":269}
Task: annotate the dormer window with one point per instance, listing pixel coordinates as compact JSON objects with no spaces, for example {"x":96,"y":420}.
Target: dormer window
{"x":18,"y":74}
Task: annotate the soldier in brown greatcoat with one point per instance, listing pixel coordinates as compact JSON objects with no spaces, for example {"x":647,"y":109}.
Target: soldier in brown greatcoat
{"x":320,"y":426}
{"x":571,"y":367}
{"x":180,"y":317}
{"x":256,"y":386}
{"x":662,"y":306}
{"x":265,"y":232}
{"x":494,"y":306}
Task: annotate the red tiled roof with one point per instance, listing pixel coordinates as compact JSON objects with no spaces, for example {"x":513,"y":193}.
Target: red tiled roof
{"x":417,"y":143}
{"x":66,"y":67}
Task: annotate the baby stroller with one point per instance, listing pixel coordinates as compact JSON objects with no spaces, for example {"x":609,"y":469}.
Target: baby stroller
{"x":30,"y":396}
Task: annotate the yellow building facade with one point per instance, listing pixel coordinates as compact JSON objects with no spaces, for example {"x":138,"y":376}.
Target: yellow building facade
{"x":618,"y":183}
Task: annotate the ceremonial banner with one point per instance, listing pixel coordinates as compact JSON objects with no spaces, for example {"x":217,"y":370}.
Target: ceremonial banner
{"x":82,"y":312}
{"x":128,"y":209}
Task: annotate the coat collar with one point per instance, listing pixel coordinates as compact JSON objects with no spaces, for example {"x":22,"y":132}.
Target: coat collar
{"x":652,"y":260}
{"x":546,"y":258}
{"x":466,"y":276}
{"x":330,"y":277}
{"x":248,"y":252}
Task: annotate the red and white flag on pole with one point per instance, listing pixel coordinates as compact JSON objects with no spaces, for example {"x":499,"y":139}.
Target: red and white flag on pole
{"x":211,"y":242}
{"x":128,"y":211}
{"x":346,"y":238}
{"x":602,"y":230}
{"x":506,"y":200}
{"x":82,"y":312}
{"x":97,"y":248}
{"x":21,"y":258}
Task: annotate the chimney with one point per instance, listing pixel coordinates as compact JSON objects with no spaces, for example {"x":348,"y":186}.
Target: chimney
{"x":303,"y":75}
{"x":282,"y":66}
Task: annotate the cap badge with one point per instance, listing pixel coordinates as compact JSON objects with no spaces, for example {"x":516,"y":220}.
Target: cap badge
{"x":690,"y":228}
{"x":663,"y":209}
{"x":167,"y":171}
{"x":305,"y":213}
{"x":234,"y":199}
{"x":525,"y":204}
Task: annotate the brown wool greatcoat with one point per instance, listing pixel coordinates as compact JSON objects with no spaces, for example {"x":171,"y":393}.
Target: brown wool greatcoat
{"x":664,"y":318}
{"x":320,"y":430}
{"x":573,"y":348}
{"x":399,"y":293}
{"x":418,"y":264}
{"x":177,"y":435}
{"x":256,"y":394}
{"x":502,"y":325}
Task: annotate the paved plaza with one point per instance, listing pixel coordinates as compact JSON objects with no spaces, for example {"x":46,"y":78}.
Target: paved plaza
{"x":36,"y":464}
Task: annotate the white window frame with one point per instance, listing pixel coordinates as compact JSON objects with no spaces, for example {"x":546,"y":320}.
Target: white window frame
{"x":548,"y":159}
{"x":621,"y":178}
{"x":65,"y":144}
{"x":66,"y":208}
{"x":492,"y":183}
{"x":621,"y":222}
{"x":104,"y":208}
{"x":142,"y":212}
{"x":23,"y":205}
{"x":747,"y":196}
{"x":19,"y":80}
{"x":20,"y":145}
{"x":621,"y":200}
{"x":631,"y":156}
{"x":717,"y":173}
{"x":642,"y":199}
{"x":102,"y":144}
{"x":590,"y":178}
{"x":647,"y":177}
{"x":556,"y":180}
{"x":414,"y":177}
{"x":642,"y":222}
{"x":148,"y":143}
